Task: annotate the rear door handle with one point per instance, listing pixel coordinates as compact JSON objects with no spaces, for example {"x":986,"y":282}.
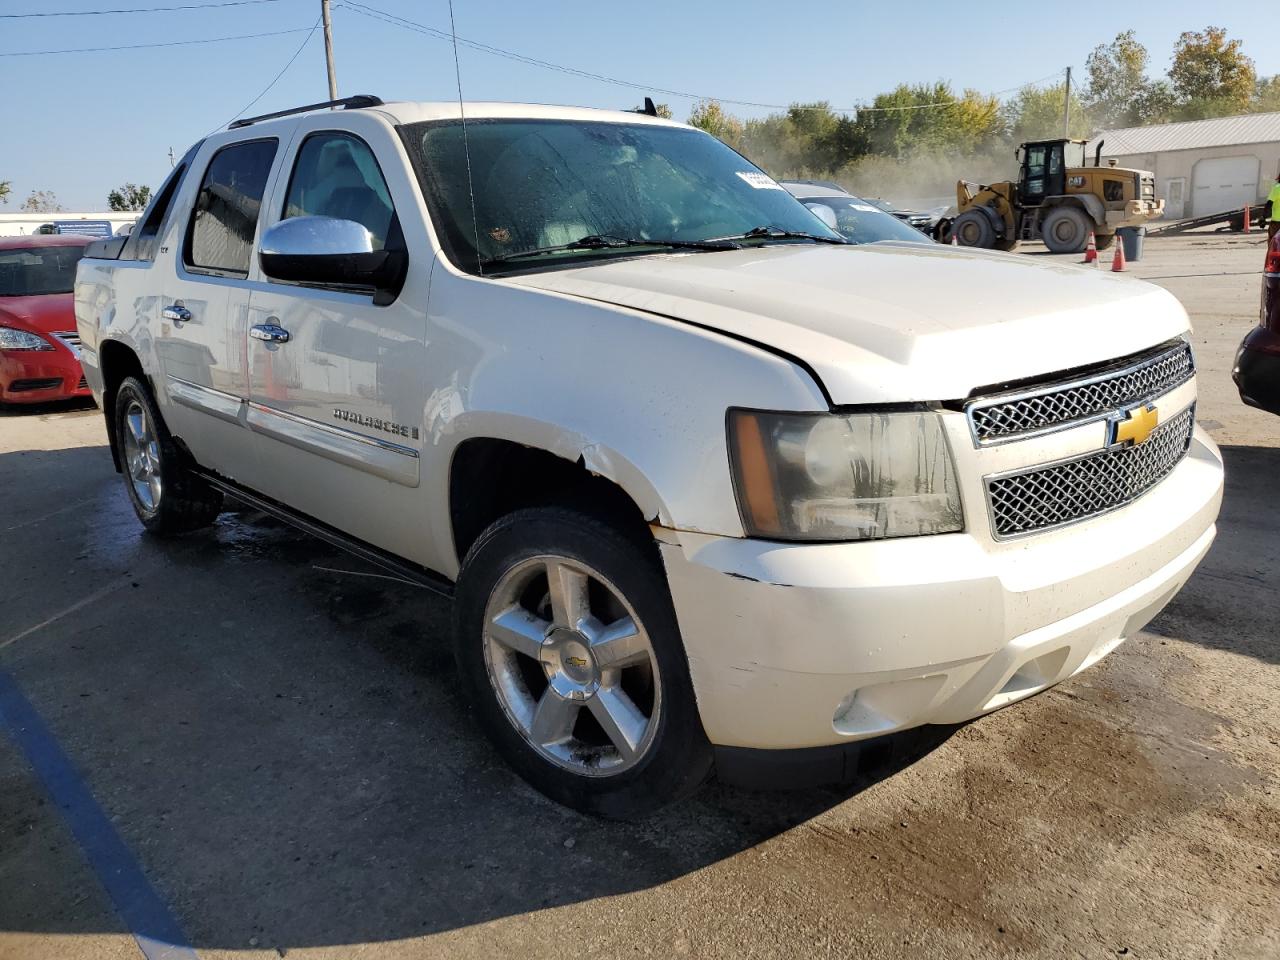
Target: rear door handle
{"x":269,"y":333}
{"x":177,"y":313}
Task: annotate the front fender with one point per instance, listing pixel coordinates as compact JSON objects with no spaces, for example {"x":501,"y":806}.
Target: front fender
{"x":640,"y":399}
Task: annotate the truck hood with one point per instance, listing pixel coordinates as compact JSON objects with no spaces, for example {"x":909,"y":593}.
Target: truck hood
{"x":893,"y":322}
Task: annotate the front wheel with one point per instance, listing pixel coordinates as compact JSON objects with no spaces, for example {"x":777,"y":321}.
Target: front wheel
{"x":973,"y":229}
{"x":568,"y":648}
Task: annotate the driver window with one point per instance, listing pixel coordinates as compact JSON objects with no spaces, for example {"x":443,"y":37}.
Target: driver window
{"x":336,"y":175}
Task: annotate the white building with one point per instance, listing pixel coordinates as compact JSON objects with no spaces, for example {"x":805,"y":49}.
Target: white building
{"x":1202,"y":166}
{"x":15,"y":224}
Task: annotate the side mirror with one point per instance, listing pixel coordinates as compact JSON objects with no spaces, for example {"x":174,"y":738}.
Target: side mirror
{"x":326,"y":250}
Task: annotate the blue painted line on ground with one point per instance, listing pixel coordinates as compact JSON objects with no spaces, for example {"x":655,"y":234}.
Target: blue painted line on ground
{"x":147,"y":917}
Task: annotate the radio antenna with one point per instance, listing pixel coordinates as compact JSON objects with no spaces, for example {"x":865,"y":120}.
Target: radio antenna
{"x":466,"y":146}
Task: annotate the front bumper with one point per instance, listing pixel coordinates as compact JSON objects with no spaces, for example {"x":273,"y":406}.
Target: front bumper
{"x":805,"y":645}
{"x":40,"y":376}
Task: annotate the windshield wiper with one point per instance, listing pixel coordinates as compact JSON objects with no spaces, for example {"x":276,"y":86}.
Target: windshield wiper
{"x":596,"y":241}
{"x":769,"y":232}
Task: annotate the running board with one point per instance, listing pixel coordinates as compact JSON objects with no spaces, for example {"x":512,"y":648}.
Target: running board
{"x":418,"y":576}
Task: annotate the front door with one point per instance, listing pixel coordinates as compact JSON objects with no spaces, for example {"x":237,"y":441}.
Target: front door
{"x":204,"y":307}
{"x":338,"y":382}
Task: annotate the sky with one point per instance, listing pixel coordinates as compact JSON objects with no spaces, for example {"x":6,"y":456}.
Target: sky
{"x":79,"y":124}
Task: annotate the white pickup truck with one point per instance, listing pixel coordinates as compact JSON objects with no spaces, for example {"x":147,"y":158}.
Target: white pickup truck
{"x":711,"y":487}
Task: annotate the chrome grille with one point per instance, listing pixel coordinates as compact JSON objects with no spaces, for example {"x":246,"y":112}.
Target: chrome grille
{"x":1072,"y":490}
{"x":71,"y":340}
{"x":1073,"y":402}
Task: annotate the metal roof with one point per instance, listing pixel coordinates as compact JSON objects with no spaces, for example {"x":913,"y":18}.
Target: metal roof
{"x":1191,"y":134}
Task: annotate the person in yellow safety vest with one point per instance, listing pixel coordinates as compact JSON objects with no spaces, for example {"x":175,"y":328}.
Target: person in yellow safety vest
{"x":1273,"y":210}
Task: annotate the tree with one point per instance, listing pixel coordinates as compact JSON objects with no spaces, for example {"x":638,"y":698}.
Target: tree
{"x":41,"y":201}
{"x":1036,"y":114}
{"x":1266,"y":95}
{"x":5,"y":186}
{"x":129,"y":197}
{"x":1211,"y":75}
{"x":708,"y":115}
{"x":913,"y":119}
{"x":1117,"y":85}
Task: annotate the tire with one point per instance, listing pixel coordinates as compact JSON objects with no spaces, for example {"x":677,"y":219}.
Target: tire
{"x":1066,"y":230}
{"x":530,"y":678}
{"x":1103,"y":241}
{"x":168,"y":497}
{"x":973,"y":229}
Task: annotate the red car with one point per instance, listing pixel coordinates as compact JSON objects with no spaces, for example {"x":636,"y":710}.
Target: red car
{"x":39,"y":347}
{"x":1257,"y":367}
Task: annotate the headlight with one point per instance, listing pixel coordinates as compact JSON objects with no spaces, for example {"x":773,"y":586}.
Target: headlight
{"x":863,"y":476}
{"x":11,"y":339}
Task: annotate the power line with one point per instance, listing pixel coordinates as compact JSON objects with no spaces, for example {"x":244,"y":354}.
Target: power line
{"x":141,"y":46}
{"x":98,"y":13}
{"x":283,"y":70}
{"x":376,"y":14}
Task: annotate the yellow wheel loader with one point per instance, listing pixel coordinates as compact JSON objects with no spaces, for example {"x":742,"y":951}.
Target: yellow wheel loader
{"x":1053,"y":202}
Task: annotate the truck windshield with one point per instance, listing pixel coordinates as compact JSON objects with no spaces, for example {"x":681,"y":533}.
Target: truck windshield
{"x":38,"y":271}
{"x":545,"y":185}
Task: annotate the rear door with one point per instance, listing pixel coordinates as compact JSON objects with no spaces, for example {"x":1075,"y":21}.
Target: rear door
{"x":339,"y":405}
{"x":201,"y":343}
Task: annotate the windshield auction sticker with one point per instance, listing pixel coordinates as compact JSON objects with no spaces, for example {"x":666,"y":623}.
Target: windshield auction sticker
{"x":761,"y":181}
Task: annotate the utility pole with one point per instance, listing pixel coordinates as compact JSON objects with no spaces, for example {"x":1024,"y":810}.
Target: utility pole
{"x":171,"y":158}
{"x":1066,"y":107}
{"x":328,"y":49}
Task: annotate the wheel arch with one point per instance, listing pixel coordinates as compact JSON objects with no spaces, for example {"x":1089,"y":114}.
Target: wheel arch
{"x":117,"y":360}
{"x":1090,"y":205}
{"x":513,"y":462}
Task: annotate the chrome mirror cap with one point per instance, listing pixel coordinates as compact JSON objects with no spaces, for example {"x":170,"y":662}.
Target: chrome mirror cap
{"x":316,"y":237}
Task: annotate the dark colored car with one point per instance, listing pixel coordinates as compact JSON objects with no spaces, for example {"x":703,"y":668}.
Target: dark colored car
{"x":855,"y":219}
{"x":39,"y":346}
{"x":1257,"y":367}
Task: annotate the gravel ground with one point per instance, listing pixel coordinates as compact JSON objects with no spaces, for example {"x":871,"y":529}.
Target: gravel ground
{"x":277,"y":738}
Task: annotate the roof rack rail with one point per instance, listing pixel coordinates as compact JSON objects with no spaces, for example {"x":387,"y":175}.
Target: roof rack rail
{"x":346,"y":103}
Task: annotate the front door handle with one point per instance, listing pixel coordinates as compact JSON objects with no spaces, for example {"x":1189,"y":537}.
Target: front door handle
{"x":177,"y":313}
{"x":269,"y":333}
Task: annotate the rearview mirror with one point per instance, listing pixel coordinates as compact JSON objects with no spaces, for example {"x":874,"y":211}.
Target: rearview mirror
{"x":326,"y":250}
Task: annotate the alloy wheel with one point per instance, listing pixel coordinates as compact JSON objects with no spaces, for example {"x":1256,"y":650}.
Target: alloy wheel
{"x":572,"y":666}
{"x":142,"y":456}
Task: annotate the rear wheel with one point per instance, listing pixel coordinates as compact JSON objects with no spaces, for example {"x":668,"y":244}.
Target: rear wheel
{"x":568,"y":647}
{"x":973,"y":229}
{"x":166,"y":494}
{"x":1066,"y":230}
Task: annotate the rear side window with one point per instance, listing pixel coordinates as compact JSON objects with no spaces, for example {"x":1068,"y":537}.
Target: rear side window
{"x":141,"y":244}
{"x":337,"y":176}
{"x":225,"y":218}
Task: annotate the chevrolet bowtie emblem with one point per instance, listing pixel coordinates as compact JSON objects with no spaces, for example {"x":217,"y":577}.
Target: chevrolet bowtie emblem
{"x":578,"y":662}
{"x":1132,"y":427}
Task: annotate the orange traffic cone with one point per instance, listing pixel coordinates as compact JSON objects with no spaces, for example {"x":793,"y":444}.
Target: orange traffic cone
{"x":1248,"y":215}
{"x":1091,"y":251}
{"x":1117,"y":262}
{"x":955,"y":238}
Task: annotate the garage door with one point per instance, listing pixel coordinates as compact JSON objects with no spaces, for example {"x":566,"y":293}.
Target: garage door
{"x":1224,"y":183}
